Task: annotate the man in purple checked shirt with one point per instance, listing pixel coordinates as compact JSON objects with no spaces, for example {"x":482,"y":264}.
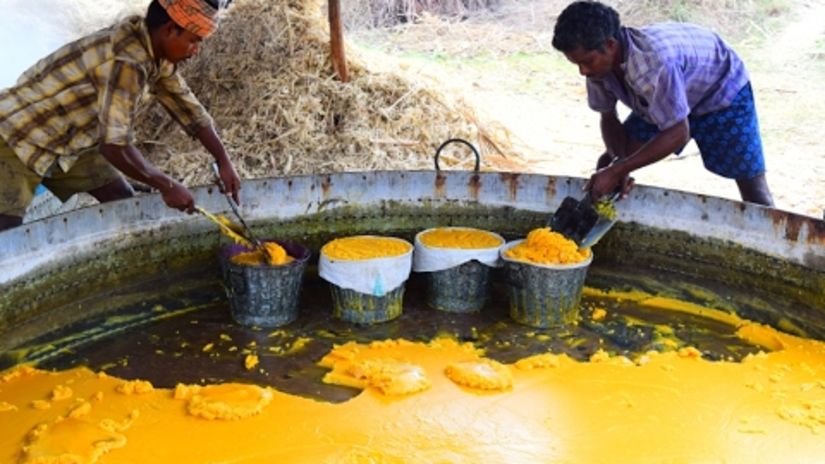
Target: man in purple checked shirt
{"x":681,"y":81}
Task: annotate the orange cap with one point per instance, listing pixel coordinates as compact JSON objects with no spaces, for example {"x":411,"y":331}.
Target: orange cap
{"x":196,"y":16}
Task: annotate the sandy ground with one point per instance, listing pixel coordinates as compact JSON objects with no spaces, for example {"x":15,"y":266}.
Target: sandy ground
{"x":543,"y":103}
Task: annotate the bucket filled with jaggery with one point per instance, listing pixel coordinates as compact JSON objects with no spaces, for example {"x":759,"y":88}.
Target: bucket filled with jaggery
{"x":263,"y":288}
{"x":544,"y":274}
{"x":367,"y":275}
{"x":456,"y":263}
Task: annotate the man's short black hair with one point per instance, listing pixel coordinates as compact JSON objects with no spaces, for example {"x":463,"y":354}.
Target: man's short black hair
{"x":585,"y":24}
{"x":156,"y":16}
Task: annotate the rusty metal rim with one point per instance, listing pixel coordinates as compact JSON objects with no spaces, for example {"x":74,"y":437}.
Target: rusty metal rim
{"x":787,"y":236}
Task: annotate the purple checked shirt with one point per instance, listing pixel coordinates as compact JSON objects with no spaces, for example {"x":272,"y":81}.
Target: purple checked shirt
{"x":671,"y":70}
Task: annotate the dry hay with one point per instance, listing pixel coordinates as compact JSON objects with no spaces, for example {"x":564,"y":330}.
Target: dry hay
{"x":460,"y":38}
{"x":731,"y":18}
{"x":358,"y":14}
{"x":267,"y":79}
{"x":505,"y":27}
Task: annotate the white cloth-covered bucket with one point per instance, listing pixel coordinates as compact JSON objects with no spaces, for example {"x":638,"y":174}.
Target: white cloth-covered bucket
{"x":433,"y":259}
{"x":376,"y":276}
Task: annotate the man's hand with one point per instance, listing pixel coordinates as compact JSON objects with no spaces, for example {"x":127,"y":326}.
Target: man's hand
{"x":603,"y":179}
{"x":614,"y":171}
{"x":175,"y":195}
{"x":131,"y":162}
{"x":230,"y":180}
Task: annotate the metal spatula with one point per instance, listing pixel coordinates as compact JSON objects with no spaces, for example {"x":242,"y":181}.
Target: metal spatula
{"x":580,"y":221}
{"x":247,"y":232}
{"x":229,"y":230}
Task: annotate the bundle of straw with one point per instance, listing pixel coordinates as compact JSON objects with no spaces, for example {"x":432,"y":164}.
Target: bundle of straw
{"x":267,"y":79}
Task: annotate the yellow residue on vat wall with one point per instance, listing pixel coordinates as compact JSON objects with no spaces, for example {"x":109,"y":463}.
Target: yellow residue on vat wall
{"x":543,"y":246}
{"x":277,"y":256}
{"x":665,"y":303}
{"x":464,"y":238}
{"x":364,"y":247}
{"x":665,"y":407}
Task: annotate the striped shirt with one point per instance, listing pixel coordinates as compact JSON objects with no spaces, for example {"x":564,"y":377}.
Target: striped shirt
{"x":671,"y":70}
{"x":89,"y":92}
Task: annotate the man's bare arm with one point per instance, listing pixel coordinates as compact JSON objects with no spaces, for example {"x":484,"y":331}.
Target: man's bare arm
{"x":212,"y":142}
{"x":129,"y":160}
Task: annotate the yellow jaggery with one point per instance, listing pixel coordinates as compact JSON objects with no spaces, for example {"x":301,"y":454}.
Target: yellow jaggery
{"x":543,"y":246}
{"x":5,"y":406}
{"x":606,"y":208}
{"x":234,"y":226}
{"x":277,"y":256}
{"x":250,"y":362}
{"x":389,"y":376}
{"x":540,"y":361}
{"x":61,"y":392}
{"x":482,"y":374}
{"x":347,"y":368}
{"x":464,"y":238}
{"x":767,"y":408}
{"x":363,"y":247}
{"x":227,"y":227}
{"x":135,"y":387}
{"x":69,"y":441}
{"x":82,"y":409}
{"x":230,"y":401}
{"x":41,"y":405}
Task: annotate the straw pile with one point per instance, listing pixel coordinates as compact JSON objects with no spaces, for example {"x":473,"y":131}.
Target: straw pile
{"x":385,"y":13}
{"x":267,"y":79}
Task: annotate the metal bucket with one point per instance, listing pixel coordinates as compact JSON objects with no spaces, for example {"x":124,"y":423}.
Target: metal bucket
{"x":460,"y":289}
{"x":361,"y":308}
{"x":544,"y":296}
{"x":263,"y":296}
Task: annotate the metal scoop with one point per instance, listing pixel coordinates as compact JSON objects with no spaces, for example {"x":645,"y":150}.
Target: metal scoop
{"x":581,"y":221}
{"x":246,"y":231}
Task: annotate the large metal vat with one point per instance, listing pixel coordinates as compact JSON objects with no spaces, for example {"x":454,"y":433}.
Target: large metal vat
{"x":141,"y":261}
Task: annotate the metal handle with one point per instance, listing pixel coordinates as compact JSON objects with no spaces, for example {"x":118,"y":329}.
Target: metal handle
{"x":235,"y":209}
{"x":457,"y":140}
{"x":230,"y":200}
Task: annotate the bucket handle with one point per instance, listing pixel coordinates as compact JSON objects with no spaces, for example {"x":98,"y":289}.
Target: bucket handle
{"x":458,"y":140}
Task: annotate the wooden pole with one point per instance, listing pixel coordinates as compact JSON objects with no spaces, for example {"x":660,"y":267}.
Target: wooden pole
{"x":336,"y":33}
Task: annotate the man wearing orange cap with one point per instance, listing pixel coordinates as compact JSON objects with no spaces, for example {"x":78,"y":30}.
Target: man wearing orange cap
{"x":69,"y":122}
